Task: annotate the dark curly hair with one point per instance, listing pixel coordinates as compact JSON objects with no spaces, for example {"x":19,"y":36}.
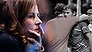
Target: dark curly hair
{"x":59,"y":8}
{"x":72,"y":7}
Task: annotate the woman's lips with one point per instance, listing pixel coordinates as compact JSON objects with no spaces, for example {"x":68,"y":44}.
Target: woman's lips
{"x":39,"y":30}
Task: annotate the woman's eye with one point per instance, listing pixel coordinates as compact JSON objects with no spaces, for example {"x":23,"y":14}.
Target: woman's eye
{"x":34,"y":15}
{"x":31,"y":15}
{"x":39,"y":15}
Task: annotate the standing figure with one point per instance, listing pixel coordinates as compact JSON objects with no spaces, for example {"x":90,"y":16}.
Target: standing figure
{"x":79,"y":36}
{"x":58,"y":30}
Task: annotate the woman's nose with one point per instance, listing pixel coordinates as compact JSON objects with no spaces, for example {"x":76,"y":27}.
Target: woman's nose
{"x":38,"y":21}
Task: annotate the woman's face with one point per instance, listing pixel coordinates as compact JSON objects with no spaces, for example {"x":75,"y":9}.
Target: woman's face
{"x":32,"y":22}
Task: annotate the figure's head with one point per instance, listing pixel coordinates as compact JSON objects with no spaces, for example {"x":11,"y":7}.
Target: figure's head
{"x":20,"y":16}
{"x":70,"y":10}
{"x":89,"y":12}
{"x":59,"y":8}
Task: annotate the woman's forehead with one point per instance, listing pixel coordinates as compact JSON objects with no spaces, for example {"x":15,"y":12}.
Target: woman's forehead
{"x":34,"y":9}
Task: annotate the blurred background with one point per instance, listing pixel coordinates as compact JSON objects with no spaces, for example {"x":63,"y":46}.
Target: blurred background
{"x":46,"y":8}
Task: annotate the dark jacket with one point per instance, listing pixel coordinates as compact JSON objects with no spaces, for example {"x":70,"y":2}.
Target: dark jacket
{"x":8,"y":43}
